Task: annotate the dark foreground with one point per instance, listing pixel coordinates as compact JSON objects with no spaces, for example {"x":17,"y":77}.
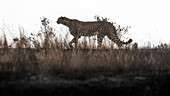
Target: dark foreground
{"x":84,"y":84}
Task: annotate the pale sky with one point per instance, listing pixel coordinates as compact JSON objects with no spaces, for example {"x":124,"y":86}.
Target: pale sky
{"x":149,"y":19}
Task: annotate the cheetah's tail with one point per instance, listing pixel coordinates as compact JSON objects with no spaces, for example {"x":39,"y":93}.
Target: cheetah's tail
{"x":128,"y":42}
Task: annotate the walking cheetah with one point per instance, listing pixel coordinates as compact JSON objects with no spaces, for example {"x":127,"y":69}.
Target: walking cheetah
{"x":101,"y":29}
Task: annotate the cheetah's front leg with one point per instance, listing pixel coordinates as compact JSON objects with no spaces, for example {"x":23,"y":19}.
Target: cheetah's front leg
{"x":74,"y":40}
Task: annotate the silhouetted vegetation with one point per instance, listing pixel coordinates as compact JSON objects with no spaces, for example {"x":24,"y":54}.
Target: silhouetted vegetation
{"x":42,"y":56}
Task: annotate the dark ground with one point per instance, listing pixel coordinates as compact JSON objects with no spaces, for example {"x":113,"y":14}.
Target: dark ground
{"x":84,"y":84}
{"x":134,"y":80}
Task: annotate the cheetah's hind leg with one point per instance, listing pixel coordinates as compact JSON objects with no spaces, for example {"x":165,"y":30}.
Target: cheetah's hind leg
{"x":99,"y":41}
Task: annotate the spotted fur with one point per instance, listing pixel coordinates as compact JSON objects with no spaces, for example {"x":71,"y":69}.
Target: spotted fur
{"x":101,"y":29}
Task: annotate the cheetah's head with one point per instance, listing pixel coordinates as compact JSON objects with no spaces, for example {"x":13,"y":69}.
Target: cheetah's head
{"x":62,"y":20}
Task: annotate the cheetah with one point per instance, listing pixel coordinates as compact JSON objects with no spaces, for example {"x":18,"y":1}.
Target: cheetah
{"x":100,"y":28}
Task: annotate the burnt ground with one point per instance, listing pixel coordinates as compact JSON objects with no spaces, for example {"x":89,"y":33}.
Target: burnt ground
{"x":84,"y":84}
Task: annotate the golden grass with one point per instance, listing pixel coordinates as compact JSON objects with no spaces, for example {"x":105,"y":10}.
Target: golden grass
{"x":54,"y":55}
{"x":84,"y":60}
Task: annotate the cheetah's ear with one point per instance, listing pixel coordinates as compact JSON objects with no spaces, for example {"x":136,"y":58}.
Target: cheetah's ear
{"x":62,"y":18}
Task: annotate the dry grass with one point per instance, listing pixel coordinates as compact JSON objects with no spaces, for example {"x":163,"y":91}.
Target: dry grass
{"x":54,"y":55}
{"x":84,"y":60}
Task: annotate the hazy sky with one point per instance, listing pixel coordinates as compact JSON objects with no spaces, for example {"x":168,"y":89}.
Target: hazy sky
{"x":149,"y":19}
